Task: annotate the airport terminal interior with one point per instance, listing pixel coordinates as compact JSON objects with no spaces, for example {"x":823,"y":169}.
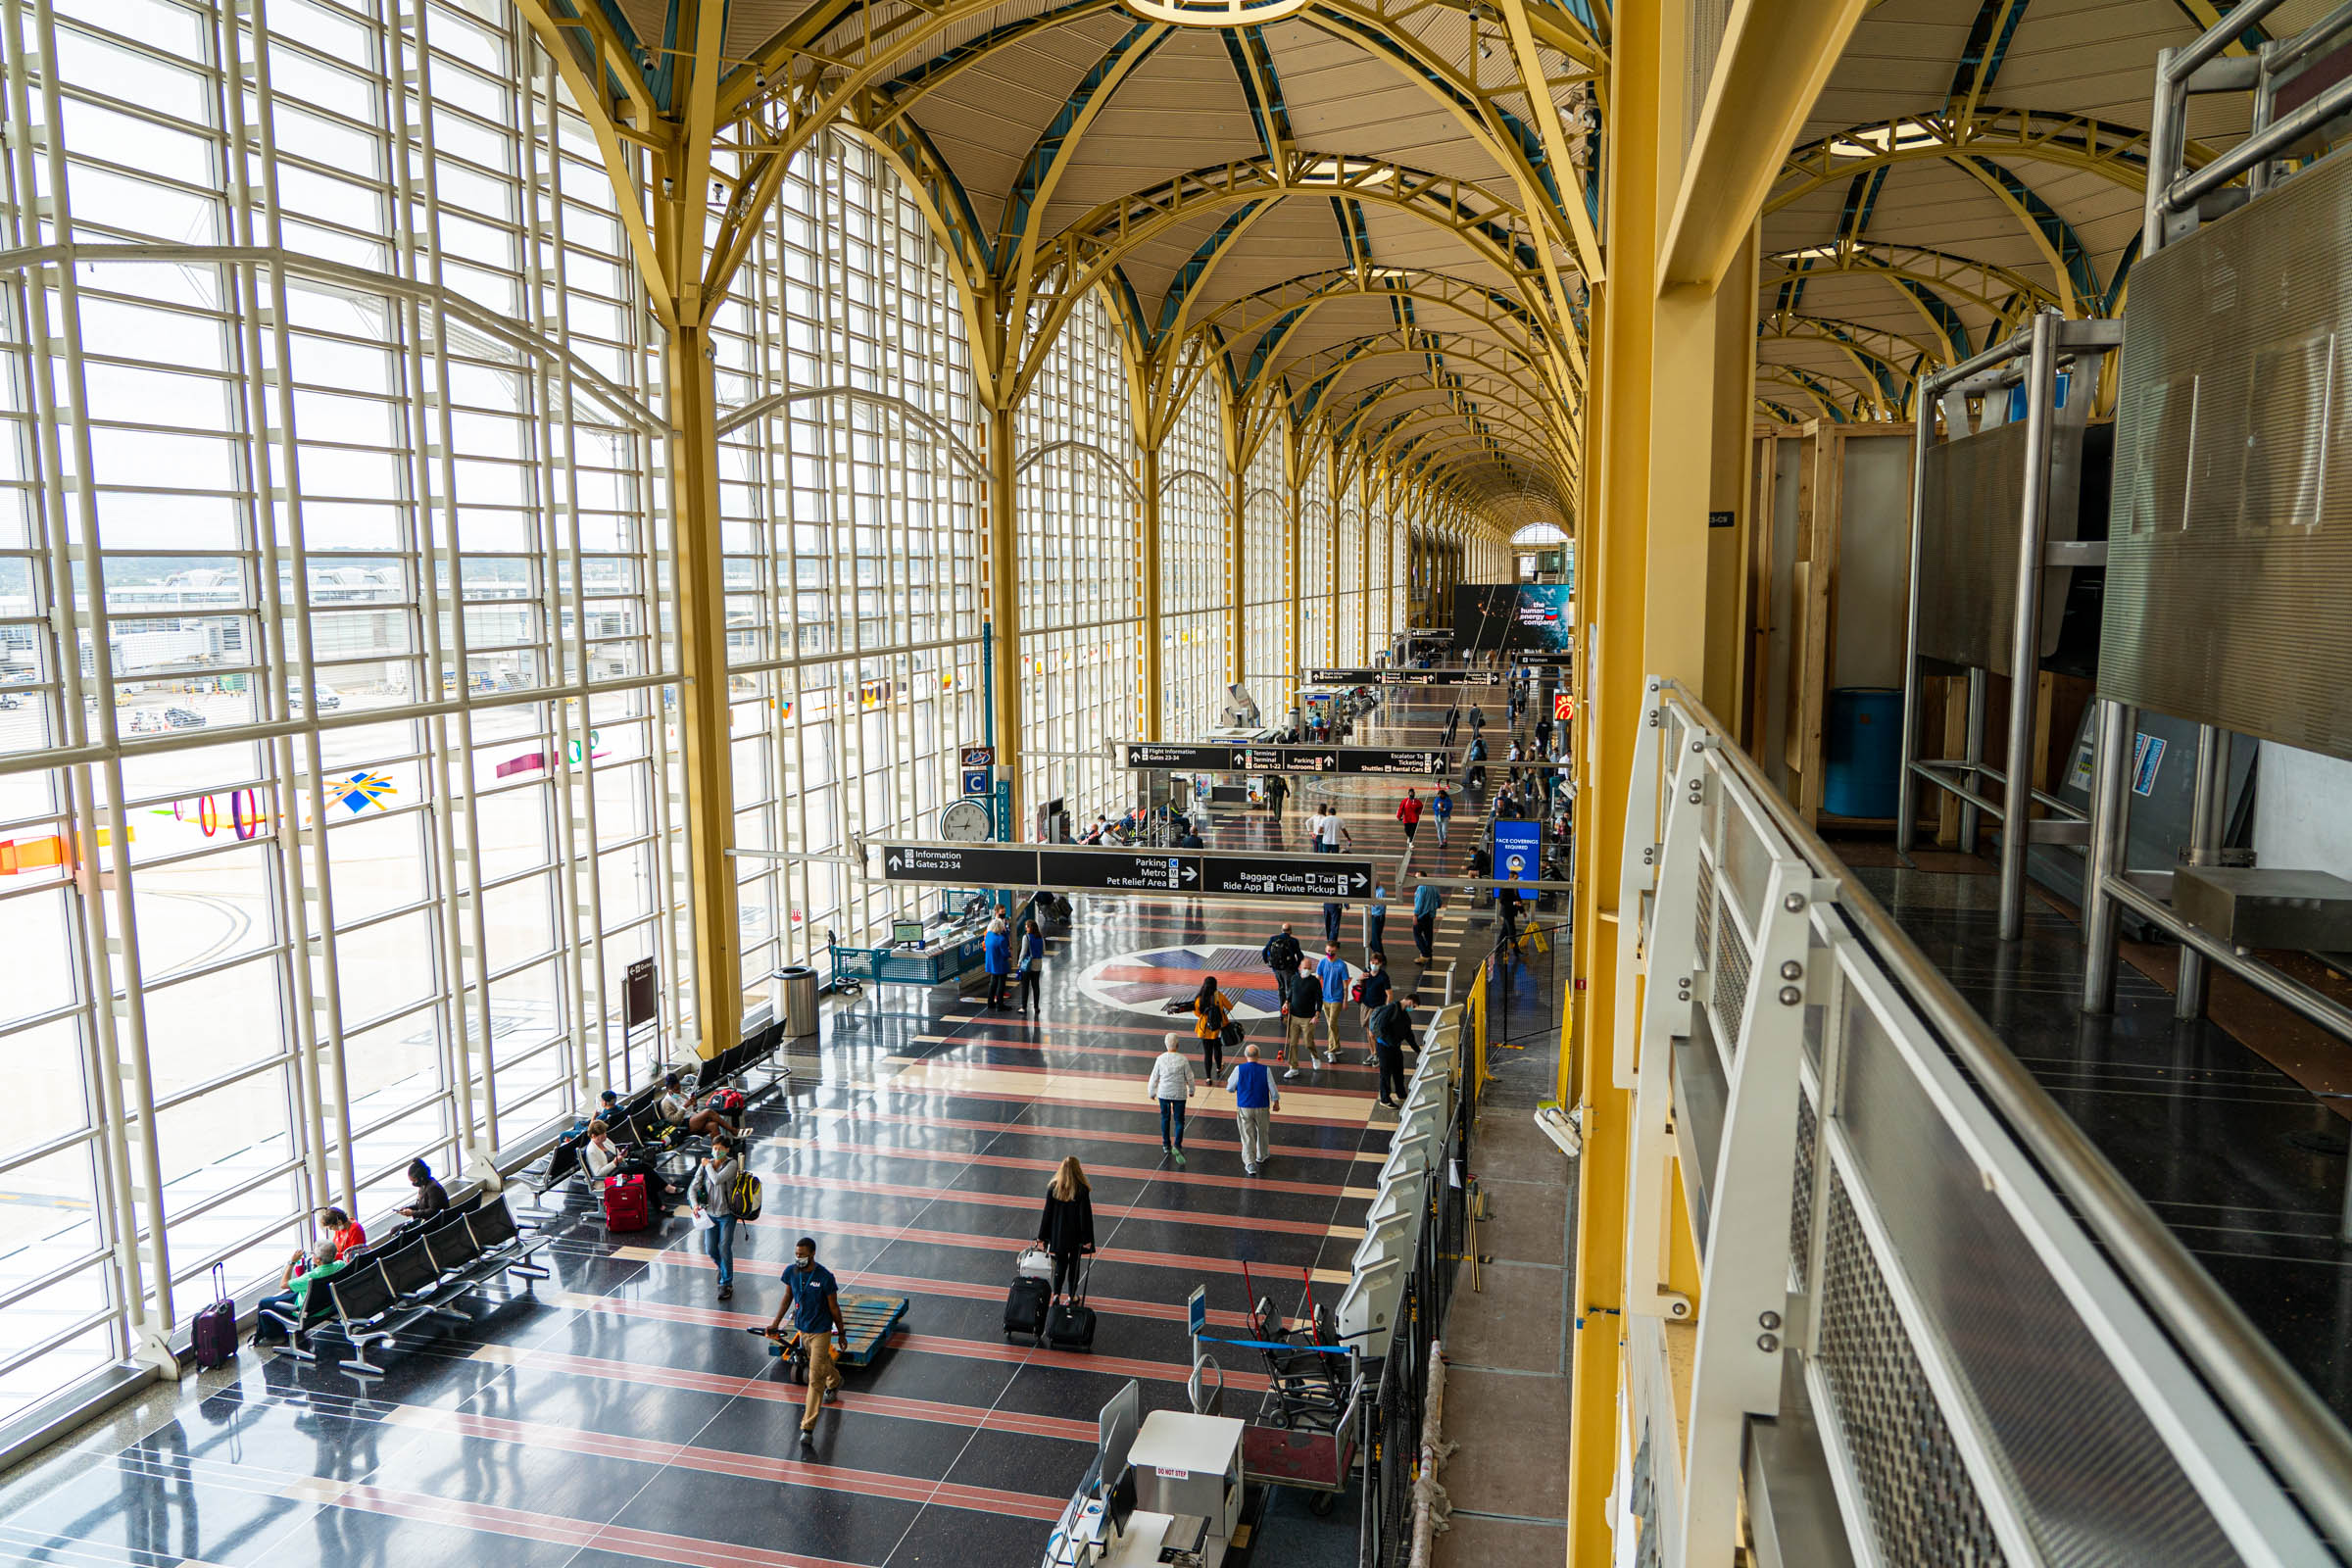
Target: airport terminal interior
{"x":675,"y":673}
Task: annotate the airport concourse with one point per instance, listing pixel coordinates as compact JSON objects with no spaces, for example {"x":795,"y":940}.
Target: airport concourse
{"x":1230,"y":783}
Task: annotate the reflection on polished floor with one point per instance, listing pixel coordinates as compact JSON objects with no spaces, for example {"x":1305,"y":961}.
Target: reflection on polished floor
{"x":618,"y":1413}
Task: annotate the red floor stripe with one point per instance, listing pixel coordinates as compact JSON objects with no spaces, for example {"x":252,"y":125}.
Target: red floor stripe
{"x":894,"y":1118}
{"x":917,"y":1090}
{"x":1001,"y":1352}
{"x":728,"y":1461}
{"x":1144,"y":1173}
{"x":821,"y":1225}
{"x":1134,"y":1079}
{"x":1173,"y":1216}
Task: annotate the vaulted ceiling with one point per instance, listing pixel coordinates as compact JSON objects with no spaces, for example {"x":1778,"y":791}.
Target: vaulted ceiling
{"x":1969,"y":162}
{"x":1353,"y":208}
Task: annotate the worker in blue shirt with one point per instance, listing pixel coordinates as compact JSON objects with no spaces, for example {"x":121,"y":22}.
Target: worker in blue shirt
{"x":813,"y":1298}
{"x":1333,"y":972}
{"x":996,"y":955}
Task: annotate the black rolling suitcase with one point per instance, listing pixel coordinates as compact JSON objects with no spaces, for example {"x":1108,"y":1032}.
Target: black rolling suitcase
{"x":1070,"y":1324}
{"x":1031,"y":1295}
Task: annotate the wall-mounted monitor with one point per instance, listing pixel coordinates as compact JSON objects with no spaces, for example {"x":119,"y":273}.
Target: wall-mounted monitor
{"x":1522,"y":617}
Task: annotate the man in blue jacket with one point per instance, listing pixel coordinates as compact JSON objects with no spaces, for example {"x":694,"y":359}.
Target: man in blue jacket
{"x":1255,"y":1098}
{"x":1428,"y":899}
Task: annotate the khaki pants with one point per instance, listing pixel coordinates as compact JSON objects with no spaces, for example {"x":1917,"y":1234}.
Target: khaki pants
{"x":823,"y":1375}
{"x":1254,"y":1124}
{"x":1299,"y":1033}
{"x":1331,"y":1013}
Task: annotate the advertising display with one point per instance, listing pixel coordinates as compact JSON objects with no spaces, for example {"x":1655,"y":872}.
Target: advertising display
{"x":1521,"y":618}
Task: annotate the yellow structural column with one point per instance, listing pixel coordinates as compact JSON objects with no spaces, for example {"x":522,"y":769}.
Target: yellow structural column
{"x":703,"y":718}
{"x":1004,"y":605}
{"x":1155,"y":676}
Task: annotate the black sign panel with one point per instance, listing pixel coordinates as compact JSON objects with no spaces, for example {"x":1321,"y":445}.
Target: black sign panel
{"x":1181,"y":759}
{"x":963,"y":865}
{"x":640,"y":994}
{"x":1396,"y":762}
{"x":1343,"y":677}
{"x":1311,"y":876}
{"x":1119,"y":870}
{"x":1559,"y":661}
{"x":1404,"y":677}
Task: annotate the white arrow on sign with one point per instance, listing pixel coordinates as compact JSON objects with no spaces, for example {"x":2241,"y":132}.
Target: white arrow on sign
{"x":1359,"y":881}
{"x":1186,"y":874}
{"x":896,"y":862}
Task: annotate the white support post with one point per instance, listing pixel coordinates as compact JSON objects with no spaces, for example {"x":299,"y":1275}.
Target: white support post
{"x":1637,"y":876}
{"x":1672,"y":963}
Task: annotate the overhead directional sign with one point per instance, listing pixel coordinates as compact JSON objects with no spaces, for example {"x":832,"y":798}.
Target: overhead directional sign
{"x":1404,"y":677}
{"x":961,"y":865}
{"x":1305,"y":876}
{"x":1084,"y":868}
{"x":1388,"y":760}
{"x":1117,"y":871}
{"x":1547,"y":661}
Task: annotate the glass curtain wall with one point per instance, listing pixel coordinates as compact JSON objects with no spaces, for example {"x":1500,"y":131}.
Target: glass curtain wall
{"x":1196,"y":573}
{"x":1315,"y":558}
{"x":850,"y":495}
{"x":1380,"y":622}
{"x":1080,"y":542}
{"x":1350,"y":580}
{"x":1266,"y":577}
{"x":335,"y":716}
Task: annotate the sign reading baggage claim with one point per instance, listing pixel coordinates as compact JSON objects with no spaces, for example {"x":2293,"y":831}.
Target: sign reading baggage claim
{"x":1400,"y":761}
{"x":1082,"y":868}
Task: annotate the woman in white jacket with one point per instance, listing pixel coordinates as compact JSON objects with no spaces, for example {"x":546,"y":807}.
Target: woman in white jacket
{"x":1171,"y":1083}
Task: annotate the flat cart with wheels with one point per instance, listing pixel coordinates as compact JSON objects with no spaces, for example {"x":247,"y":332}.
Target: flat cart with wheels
{"x":871,"y":1320}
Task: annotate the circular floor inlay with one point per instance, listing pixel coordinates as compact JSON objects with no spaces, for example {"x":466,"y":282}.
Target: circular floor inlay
{"x":1147,"y":981}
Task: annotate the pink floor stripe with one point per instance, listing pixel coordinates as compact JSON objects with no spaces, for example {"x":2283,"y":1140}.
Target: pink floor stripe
{"x":1146,"y":1173}
{"x":822,"y":1225}
{"x":1173,"y":1216}
{"x":916,"y":1285}
{"x":894,"y":1118}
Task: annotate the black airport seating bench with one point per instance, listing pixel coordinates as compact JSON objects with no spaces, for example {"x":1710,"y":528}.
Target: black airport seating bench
{"x":409,"y":1278}
{"x":635,"y":1125}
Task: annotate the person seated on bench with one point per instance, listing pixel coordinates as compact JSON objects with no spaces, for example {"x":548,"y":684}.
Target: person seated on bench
{"x":344,"y":1239}
{"x":605,"y":1159}
{"x":432,"y":1199}
{"x":678,"y":1110}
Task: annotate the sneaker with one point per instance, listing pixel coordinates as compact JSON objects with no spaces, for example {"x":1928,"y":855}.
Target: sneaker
{"x":808,"y":1435}
{"x":1290,"y":1072}
{"x":1387,"y":1104}
{"x":1370,"y":1058}
{"x":1179,"y":1159}
{"x":726,"y":1293}
{"x":833,"y":1394}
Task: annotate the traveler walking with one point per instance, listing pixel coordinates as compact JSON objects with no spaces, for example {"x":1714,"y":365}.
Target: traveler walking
{"x":1408,"y":812}
{"x":1301,"y":1006}
{"x":1213,"y":1016}
{"x":1066,"y":1229}
{"x":1428,"y":899}
{"x":1333,"y":972}
{"x":1171,"y":1083}
{"x":1477,"y":718}
{"x":813,"y":1298}
{"x":1255,"y":1098}
{"x":1376,"y":920}
{"x":1544,"y":736}
{"x":1372,"y":993}
{"x":1454,"y":722}
{"x":1441,"y":807}
{"x":1392,"y":1030}
{"x":1278,"y":790}
{"x":712,"y":1195}
{"x":996,"y":955}
{"x":1033,"y":962}
{"x":1333,"y":913}
{"x":1329,"y":830}
{"x":1281,"y":955}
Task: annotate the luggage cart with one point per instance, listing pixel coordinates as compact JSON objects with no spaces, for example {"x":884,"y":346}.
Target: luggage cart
{"x":871,"y":1321}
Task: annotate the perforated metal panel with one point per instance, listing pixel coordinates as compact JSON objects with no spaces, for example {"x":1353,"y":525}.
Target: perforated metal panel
{"x":1800,"y":1193}
{"x":1731,"y":980}
{"x":2230,"y":535}
{"x":1704,"y":923}
{"x":1972,"y":510}
{"x":1924,"y":1510}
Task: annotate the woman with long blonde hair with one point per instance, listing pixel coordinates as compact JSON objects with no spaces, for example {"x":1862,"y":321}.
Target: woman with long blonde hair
{"x":1067,"y":1229}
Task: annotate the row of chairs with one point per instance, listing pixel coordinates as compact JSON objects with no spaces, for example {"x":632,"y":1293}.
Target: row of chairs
{"x":412,"y":1276}
{"x":635,"y":1124}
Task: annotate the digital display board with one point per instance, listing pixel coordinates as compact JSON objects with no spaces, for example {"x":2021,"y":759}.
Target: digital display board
{"x":1520,"y":617}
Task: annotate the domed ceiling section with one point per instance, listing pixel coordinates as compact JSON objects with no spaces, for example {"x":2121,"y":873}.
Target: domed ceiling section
{"x":1355,"y":208}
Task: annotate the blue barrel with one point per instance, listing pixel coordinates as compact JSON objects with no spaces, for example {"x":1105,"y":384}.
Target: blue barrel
{"x":1862,"y":753}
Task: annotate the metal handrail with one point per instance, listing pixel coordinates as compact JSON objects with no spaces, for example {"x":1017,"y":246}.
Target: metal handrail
{"x":2296,"y":1433}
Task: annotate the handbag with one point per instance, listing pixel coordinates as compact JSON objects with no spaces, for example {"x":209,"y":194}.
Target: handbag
{"x":1230,"y":1037}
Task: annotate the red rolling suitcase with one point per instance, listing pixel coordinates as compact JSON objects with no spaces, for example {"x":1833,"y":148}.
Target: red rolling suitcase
{"x":625,"y":1208}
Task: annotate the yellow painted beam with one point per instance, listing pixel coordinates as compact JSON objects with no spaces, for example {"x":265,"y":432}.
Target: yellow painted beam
{"x":1003,"y":602}
{"x":1155,"y":678}
{"x":1776,"y":54}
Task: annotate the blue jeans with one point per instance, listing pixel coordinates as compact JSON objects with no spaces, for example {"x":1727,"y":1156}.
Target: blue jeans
{"x":719,"y":1242}
{"x":1171,"y":1112}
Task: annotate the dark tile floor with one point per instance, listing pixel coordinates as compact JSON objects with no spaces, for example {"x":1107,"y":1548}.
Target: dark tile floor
{"x":2243,"y":1163}
{"x":618,"y":1413}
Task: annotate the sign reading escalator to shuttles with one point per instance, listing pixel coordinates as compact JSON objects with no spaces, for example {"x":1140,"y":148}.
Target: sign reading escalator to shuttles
{"x":1084,"y":870}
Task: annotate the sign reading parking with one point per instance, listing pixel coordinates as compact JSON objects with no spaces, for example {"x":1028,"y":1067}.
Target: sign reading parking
{"x":1117,"y":871}
{"x":1087,"y":869}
